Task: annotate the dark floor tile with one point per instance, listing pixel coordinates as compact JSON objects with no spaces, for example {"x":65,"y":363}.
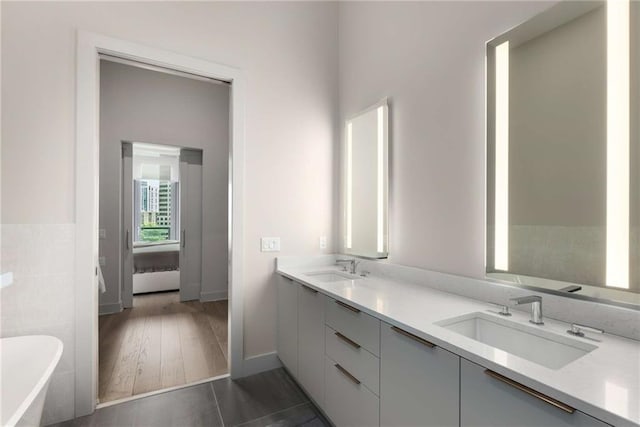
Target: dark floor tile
{"x":305,"y":415}
{"x":191,"y":406}
{"x":120,"y":415}
{"x":270,"y":397}
{"x":253,"y":397}
{"x":70,"y":423}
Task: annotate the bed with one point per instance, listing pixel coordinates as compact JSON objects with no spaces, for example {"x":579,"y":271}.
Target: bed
{"x":150,"y":257}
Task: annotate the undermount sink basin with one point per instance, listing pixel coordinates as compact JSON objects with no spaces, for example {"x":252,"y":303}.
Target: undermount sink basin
{"x":332,"y":276}
{"x":528,"y":342}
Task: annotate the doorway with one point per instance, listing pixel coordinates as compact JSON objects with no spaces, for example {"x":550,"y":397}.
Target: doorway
{"x":164,"y":312}
{"x":89,"y":47}
{"x":162,"y":215}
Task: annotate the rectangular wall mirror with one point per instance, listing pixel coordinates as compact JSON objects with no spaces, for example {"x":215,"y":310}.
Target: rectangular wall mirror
{"x":563,"y":152}
{"x":365,"y":183}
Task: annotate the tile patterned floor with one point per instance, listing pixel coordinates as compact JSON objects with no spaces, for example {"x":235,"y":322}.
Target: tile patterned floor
{"x":268,"y":399}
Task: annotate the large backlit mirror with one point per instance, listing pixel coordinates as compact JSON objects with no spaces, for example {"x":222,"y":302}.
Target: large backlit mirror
{"x":365,"y":183}
{"x":563,"y":152}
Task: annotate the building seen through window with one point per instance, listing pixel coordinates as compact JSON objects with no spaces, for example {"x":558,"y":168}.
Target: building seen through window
{"x":155,"y":208}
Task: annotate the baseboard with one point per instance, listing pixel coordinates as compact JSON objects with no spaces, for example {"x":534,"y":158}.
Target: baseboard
{"x":109,"y":308}
{"x":214,"y":296}
{"x":260,"y":363}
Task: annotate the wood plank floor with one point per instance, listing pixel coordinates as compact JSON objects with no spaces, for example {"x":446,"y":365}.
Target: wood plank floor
{"x":161,"y":343}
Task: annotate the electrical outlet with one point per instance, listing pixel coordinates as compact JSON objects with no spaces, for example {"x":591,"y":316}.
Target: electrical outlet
{"x":323,"y":242}
{"x":270,"y":244}
{"x":102,"y":261}
{"x":102,"y":233}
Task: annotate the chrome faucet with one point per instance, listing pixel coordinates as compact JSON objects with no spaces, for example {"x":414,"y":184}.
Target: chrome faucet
{"x":577,"y":330}
{"x":352,"y":264}
{"x":536,"y":307}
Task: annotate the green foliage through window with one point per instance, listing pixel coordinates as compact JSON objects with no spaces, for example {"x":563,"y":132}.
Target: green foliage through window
{"x":154,"y":234}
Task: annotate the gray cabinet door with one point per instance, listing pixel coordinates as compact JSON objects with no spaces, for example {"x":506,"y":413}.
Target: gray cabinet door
{"x":126,"y":248}
{"x":487,"y":401}
{"x":287,"y":324}
{"x":348,"y":403}
{"x":418,"y":383}
{"x":311,"y":342}
{"x":190,"y":224}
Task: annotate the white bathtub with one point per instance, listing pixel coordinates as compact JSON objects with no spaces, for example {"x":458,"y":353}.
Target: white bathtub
{"x":26,"y":365}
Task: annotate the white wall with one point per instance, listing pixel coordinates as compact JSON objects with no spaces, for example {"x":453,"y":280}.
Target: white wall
{"x":172,"y":162}
{"x":428,"y":58}
{"x":288,"y":53}
{"x":140,"y":105}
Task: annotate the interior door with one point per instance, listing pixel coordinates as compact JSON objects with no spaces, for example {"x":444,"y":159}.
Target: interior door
{"x":126,"y":247}
{"x":190,"y":224}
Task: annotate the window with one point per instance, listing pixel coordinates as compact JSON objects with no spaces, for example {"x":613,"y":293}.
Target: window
{"x":154,"y":216}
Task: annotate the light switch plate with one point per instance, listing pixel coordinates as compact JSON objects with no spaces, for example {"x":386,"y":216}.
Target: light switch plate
{"x":323,"y":242}
{"x":270,"y":244}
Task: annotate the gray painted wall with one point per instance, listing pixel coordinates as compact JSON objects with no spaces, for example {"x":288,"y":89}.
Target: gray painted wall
{"x":148,"y":106}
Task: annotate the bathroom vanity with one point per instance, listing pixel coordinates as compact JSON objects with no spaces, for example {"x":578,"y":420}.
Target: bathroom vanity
{"x":382,"y":350}
{"x":408,"y":347}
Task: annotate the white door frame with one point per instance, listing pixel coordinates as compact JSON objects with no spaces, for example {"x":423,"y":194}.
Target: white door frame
{"x":89,"y":46}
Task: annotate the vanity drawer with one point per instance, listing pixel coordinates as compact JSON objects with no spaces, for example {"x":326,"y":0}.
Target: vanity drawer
{"x":354,"y":358}
{"x":354,"y":324}
{"x":488,"y":399}
{"x":348,"y":403}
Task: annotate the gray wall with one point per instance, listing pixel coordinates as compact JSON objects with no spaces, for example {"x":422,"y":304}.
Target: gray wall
{"x":429,"y":59}
{"x":147,"y":106}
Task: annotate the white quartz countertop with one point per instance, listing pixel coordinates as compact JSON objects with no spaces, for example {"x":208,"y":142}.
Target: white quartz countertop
{"x":604,"y":383}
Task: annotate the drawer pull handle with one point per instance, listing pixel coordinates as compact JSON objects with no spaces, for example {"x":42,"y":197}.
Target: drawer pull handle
{"x":306,"y":288}
{"x":347,"y":340}
{"x":550,"y":400}
{"x":347,"y":306}
{"x":413,"y":337}
{"x":347,"y":374}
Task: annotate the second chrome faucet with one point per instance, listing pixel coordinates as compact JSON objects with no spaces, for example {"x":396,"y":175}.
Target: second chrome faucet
{"x":536,"y":307}
{"x":352,"y":264}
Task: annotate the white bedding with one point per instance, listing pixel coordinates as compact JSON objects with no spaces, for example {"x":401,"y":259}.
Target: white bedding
{"x":157,"y":256}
